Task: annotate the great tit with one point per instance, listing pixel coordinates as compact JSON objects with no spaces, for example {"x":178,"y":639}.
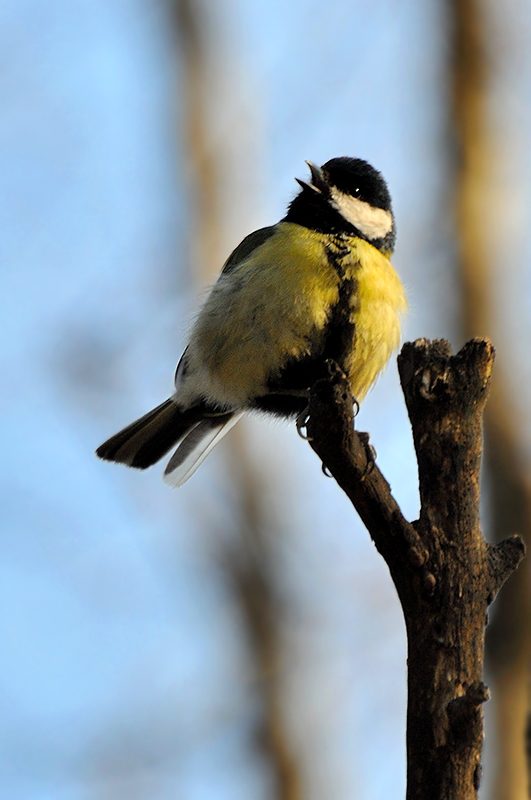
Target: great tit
{"x":317,"y":285}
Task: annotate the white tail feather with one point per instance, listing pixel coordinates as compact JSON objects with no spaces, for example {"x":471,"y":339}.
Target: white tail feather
{"x":195,"y":447}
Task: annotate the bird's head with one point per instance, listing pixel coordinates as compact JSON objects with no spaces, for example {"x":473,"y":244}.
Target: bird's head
{"x":346,"y":195}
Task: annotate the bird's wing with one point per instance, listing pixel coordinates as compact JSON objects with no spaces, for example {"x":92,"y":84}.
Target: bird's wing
{"x":246,"y":247}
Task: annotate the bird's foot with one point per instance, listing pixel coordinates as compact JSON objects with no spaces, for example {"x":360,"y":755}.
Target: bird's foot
{"x":370,"y":453}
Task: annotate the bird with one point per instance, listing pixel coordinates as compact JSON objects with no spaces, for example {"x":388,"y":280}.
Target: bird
{"x":315,"y":286}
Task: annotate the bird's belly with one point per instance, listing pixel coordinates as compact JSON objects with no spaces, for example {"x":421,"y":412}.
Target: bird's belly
{"x":267,"y":312}
{"x":377,"y":335}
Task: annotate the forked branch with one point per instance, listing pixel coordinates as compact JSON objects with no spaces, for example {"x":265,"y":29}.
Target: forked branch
{"x":444,"y":571}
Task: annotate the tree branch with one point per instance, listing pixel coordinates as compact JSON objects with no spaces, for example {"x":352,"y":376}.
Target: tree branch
{"x":444,"y":571}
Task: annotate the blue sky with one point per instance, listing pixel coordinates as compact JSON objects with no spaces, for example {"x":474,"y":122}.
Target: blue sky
{"x":124,"y":672}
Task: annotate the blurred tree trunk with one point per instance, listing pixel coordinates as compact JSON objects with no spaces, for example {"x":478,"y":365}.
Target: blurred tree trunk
{"x":251,"y":565}
{"x":509,"y":635}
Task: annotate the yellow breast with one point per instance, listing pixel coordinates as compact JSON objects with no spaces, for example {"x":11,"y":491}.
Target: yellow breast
{"x":271,"y":307}
{"x":379,"y":305}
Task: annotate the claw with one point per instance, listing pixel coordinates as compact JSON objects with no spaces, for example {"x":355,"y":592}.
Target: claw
{"x":371,"y":460}
{"x":370,"y":455}
{"x":326,"y":471}
{"x":302,"y":425}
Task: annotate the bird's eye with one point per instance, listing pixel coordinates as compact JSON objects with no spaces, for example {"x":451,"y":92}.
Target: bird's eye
{"x":356,"y":191}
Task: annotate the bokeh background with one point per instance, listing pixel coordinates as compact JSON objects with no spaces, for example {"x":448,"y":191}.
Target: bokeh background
{"x":240,"y":637}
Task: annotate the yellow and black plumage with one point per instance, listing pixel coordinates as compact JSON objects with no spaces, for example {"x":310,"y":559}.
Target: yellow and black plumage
{"x":317,"y":285}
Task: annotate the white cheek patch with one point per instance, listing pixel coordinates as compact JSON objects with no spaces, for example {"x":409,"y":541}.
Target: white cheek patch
{"x":374,"y":223}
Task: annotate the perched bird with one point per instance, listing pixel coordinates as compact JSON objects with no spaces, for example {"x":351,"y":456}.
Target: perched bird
{"x":317,"y":285}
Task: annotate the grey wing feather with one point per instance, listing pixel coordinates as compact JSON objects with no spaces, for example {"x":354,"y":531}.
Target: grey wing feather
{"x":246,"y":247}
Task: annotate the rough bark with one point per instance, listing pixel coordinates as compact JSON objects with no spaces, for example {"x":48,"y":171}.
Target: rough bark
{"x":444,"y":571}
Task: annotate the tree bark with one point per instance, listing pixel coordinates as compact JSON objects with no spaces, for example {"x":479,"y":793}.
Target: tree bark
{"x":480,"y":207}
{"x":444,"y":571}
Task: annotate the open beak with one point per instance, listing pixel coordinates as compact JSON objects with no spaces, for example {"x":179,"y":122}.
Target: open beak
{"x":318,"y":183}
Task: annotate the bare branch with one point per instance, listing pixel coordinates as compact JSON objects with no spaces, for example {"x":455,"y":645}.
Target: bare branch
{"x":444,"y":571}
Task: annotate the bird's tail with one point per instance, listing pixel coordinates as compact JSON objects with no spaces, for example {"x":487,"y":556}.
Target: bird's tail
{"x":196,"y":445}
{"x":148,"y":439}
{"x":145,"y":441}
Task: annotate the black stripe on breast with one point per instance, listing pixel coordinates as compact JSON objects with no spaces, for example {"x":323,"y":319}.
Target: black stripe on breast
{"x":334,"y":341}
